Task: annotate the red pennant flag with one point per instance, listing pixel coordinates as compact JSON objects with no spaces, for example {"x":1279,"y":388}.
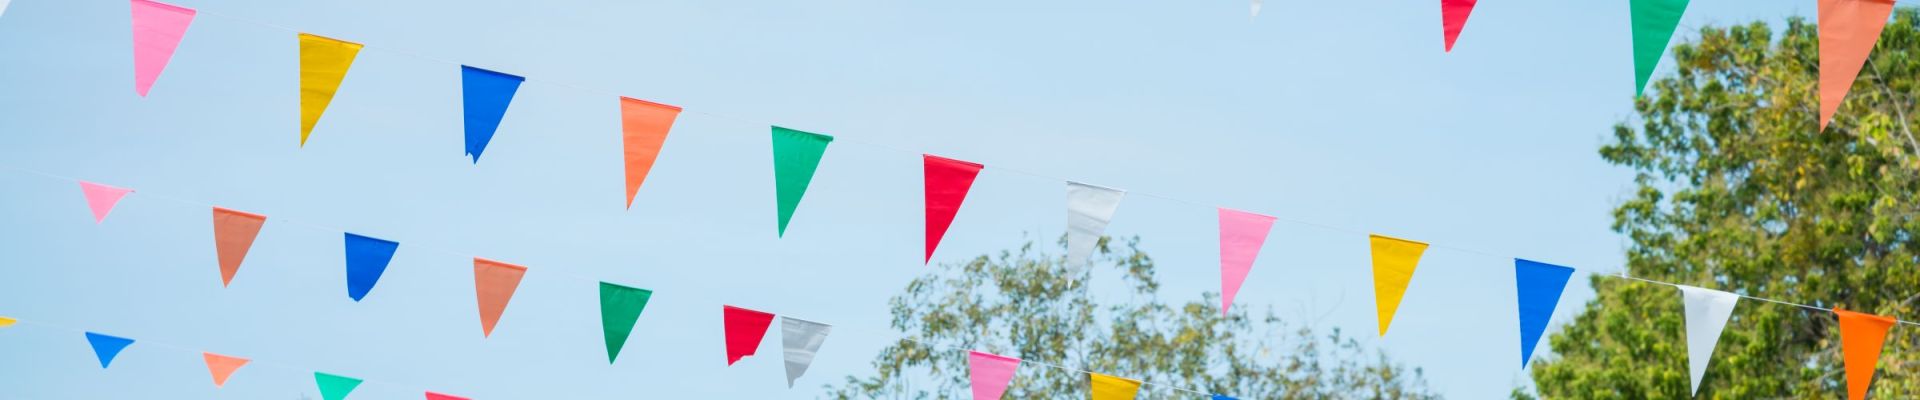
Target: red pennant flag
{"x":222,"y":367}
{"x":947,"y":183}
{"x":233,"y":233}
{"x":643,"y":129}
{"x":744,"y":330}
{"x":1848,"y":29}
{"x":1861,"y":336}
{"x":1453,"y":18}
{"x":494,"y":283}
{"x":440,"y":396}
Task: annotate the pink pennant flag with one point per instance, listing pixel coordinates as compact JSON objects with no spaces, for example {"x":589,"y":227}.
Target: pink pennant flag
{"x":102,"y":198}
{"x":441,"y":396}
{"x":1241,"y":235}
{"x":157,"y":29}
{"x":1453,"y":18}
{"x":990,"y":374}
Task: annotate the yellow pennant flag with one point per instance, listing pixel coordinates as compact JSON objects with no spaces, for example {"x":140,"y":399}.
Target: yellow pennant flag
{"x":323,"y":64}
{"x":1393,"y":263}
{"x":1108,"y":387}
{"x":6,"y":322}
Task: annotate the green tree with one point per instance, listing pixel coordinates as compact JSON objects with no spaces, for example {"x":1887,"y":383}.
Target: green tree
{"x":1020,"y":304}
{"x":1740,"y":190}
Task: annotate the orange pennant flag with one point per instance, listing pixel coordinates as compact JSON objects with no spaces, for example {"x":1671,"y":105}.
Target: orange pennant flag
{"x":1848,"y":29}
{"x":222,"y":367}
{"x":1861,"y":336}
{"x":493,"y":284}
{"x":233,"y":233}
{"x":643,"y":129}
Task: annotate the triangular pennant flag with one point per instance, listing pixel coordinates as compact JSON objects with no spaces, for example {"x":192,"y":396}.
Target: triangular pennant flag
{"x":990,"y":373}
{"x":800,"y":340}
{"x":1089,"y":208}
{"x":323,"y":65}
{"x":1653,"y":25}
{"x":440,"y":396}
{"x":1848,"y":30}
{"x":222,"y":367}
{"x":367,"y":259}
{"x":1707,"y":314}
{"x":744,"y":328}
{"x":3,"y":6}
{"x":1109,"y":387}
{"x":1539,"y":286}
{"x":620,"y":308}
{"x":102,"y":198}
{"x":334,"y":387}
{"x":1861,"y":337}
{"x":493,"y":284}
{"x":1241,"y":236}
{"x":7,"y":321}
{"x":157,"y":29}
{"x":233,"y":234}
{"x":1220,"y":397}
{"x":106,"y":347}
{"x":485,"y":95}
{"x":947,"y":183}
{"x":1453,"y":18}
{"x":643,"y":130}
{"x":796,"y":155}
{"x":1394,"y":260}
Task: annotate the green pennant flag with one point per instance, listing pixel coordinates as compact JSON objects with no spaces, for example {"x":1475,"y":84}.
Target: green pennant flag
{"x":619,"y":308}
{"x":1653,"y":24}
{"x":334,"y":387}
{"x":796,"y":155}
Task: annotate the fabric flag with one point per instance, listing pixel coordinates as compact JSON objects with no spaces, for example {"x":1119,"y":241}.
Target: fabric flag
{"x":796,"y":155}
{"x":441,"y":396}
{"x":1848,"y":30}
{"x":1861,"y":336}
{"x":800,"y":340}
{"x":485,"y":96}
{"x":334,"y":387}
{"x":323,"y":64}
{"x":1707,"y":314}
{"x":367,"y":259}
{"x":106,"y":347}
{"x":643,"y":130}
{"x":947,"y":183}
{"x":1453,"y":18}
{"x":7,"y":321}
{"x":1539,"y":286}
{"x":493,"y":284}
{"x":222,"y":367}
{"x":1241,"y":235}
{"x":1108,"y":387}
{"x":1653,"y":25}
{"x":1394,"y":260}
{"x":990,"y":374}
{"x":233,"y":234}
{"x":744,"y":329}
{"x":157,"y":29}
{"x":620,"y":308}
{"x":102,"y":198}
{"x":1220,"y":397}
{"x":3,"y":7}
{"x":1089,"y":208}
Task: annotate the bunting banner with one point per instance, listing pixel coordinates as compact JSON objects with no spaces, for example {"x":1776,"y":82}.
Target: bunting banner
{"x":485,"y":95}
{"x":796,"y":155}
{"x":1089,"y":209}
{"x":620,"y":308}
{"x":323,"y":65}
{"x":233,"y":234}
{"x":442,"y":396}
{"x":222,"y":367}
{"x":1394,"y":260}
{"x":1453,"y":18}
{"x":1241,"y":236}
{"x":643,"y":130}
{"x":1861,"y":336}
{"x":1653,"y":25}
{"x":157,"y":29}
{"x":989,"y":374}
{"x":744,"y":328}
{"x":101,"y":198}
{"x":106,"y":347}
{"x":947,"y":182}
{"x":367,"y":259}
{"x":1707,"y":314}
{"x":334,"y":387}
{"x":1539,"y":286}
{"x":7,"y":321}
{"x":1109,"y":387}
{"x":800,"y":340}
{"x":1848,"y":30}
{"x":493,"y":284}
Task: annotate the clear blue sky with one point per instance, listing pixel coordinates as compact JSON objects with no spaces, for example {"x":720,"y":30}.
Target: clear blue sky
{"x":1340,"y":113}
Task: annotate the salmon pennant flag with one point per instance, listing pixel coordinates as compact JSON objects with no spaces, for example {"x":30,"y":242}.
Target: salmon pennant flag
{"x":744,"y":329}
{"x":643,"y":130}
{"x":1241,"y":236}
{"x":1394,"y":260}
{"x":800,"y":340}
{"x":620,"y":308}
{"x":989,"y":374}
{"x":1861,"y":337}
{"x":1848,"y":30}
{"x":106,"y":347}
{"x":334,"y":387}
{"x":233,"y":234}
{"x":1653,"y":25}
{"x":222,"y":367}
{"x":486,"y":95}
{"x":102,"y":198}
{"x":323,"y":65}
{"x":1453,"y":18}
{"x":440,"y":396}
{"x":947,"y":183}
{"x":796,"y":155}
{"x":1089,"y":209}
{"x":7,"y":321}
{"x":1539,"y":286}
{"x":157,"y":29}
{"x":494,"y":283}
{"x":1108,"y":387}
{"x":1707,"y":314}
{"x":367,"y":259}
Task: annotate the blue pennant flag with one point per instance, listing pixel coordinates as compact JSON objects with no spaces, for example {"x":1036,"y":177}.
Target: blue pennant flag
{"x":1223,"y":397}
{"x":486,"y":95}
{"x":367,"y":258}
{"x":1539,"y":285}
{"x":107,"y":346}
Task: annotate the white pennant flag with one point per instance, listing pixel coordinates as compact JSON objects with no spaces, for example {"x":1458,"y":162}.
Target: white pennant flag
{"x":3,"y":6}
{"x":802,"y":339}
{"x":1256,"y":8}
{"x":1707,"y":314}
{"x":1089,"y":208}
